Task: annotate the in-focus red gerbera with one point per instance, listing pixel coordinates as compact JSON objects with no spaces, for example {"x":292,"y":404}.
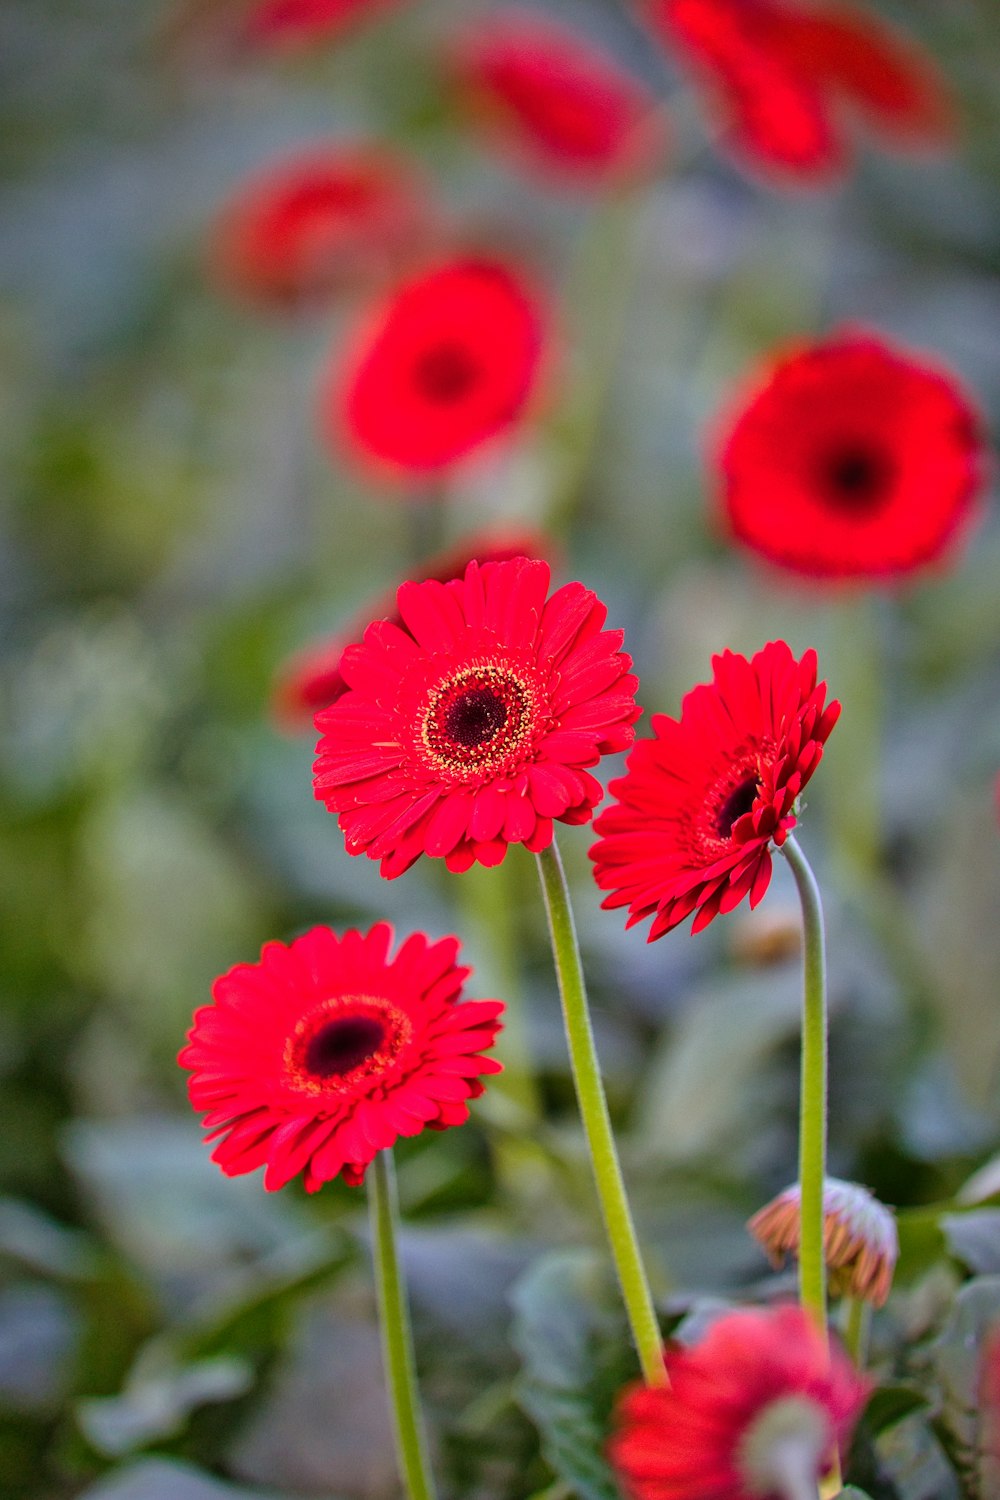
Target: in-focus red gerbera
{"x":447,"y":363}
{"x":757,"y":1411}
{"x":470,"y":726}
{"x":783,"y":75}
{"x":556,"y":102}
{"x":324,"y":1052}
{"x":851,"y":459}
{"x":326,"y":219}
{"x":700,"y":804}
{"x":288,"y":24}
{"x":312,"y":680}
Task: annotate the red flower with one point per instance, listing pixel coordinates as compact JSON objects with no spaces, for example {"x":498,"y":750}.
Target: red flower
{"x":757,"y":1410}
{"x":469,"y":726}
{"x":314,"y":223}
{"x":311,"y":680}
{"x":556,"y":102}
{"x":700,"y":805}
{"x":291,"y":24}
{"x":327,"y":1050}
{"x":448,"y":362}
{"x":989,"y":1394}
{"x":782,"y":75}
{"x":850,"y":459}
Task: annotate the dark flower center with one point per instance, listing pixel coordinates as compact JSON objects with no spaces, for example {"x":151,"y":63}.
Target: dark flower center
{"x":446,"y":373}
{"x":856,"y":478}
{"x":475,"y":717}
{"x":342,"y":1045}
{"x":740,"y":800}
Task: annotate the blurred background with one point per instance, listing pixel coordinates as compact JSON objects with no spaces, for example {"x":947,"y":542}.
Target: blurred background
{"x":173,"y":527}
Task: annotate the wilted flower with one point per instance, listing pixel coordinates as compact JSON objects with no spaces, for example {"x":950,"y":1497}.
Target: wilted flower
{"x":860,"y":1242}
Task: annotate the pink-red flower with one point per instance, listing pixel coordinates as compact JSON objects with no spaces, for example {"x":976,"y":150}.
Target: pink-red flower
{"x":702,"y":802}
{"x":784,"y":76}
{"x":757,"y":1411}
{"x":323,"y":1053}
{"x":312,"y":679}
{"x":326,"y":219}
{"x":851,"y":459}
{"x":291,"y":24}
{"x":555,"y":102}
{"x":447,"y":362}
{"x":989,"y":1394}
{"x":470,"y":726}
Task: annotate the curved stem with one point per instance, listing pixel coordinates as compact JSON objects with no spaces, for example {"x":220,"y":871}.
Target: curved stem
{"x":597,"y":1121}
{"x":397,"y":1338}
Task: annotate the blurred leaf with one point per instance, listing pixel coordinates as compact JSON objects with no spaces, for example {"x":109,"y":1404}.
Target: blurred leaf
{"x":912,"y":1458}
{"x":36,"y":1241}
{"x":571,"y":1338}
{"x":891,"y":1404}
{"x":921,"y":1242}
{"x":982,"y":1185}
{"x":958,"y":1363}
{"x":162,"y":1479}
{"x":38,"y":1331}
{"x":157,"y":1401}
{"x":974,"y":1239}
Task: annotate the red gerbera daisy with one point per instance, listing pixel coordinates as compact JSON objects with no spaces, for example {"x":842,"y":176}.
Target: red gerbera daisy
{"x":314,"y":223}
{"x":700,"y":805}
{"x":469,"y":726}
{"x":757,"y":1411}
{"x":298,"y":23}
{"x":557,"y":102}
{"x":326,"y":1051}
{"x":312,"y":680}
{"x":449,"y":362}
{"x":782,"y":75}
{"x":850,"y":459}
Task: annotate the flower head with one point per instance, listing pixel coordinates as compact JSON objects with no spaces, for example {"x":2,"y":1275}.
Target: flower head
{"x":860,"y":1242}
{"x":292,"y":24}
{"x":446,"y":363}
{"x":323,"y":220}
{"x":312,"y":679}
{"x":327,"y":1050}
{"x":851,"y":459}
{"x":700,"y":804}
{"x":469,"y":726}
{"x":556,"y":102}
{"x":757,"y":1411}
{"x":784,"y":76}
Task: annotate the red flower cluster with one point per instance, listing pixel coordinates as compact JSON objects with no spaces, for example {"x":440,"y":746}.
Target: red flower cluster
{"x":289,"y":24}
{"x":470,"y":725}
{"x":328,"y":218}
{"x":326,"y":1051}
{"x":701,"y":804}
{"x":758,"y":1409}
{"x":555,"y":102}
{"x":850,"y":459}
{"x":312,"y":680}
{"x":449,"y":361}
{"x":783,"y":73}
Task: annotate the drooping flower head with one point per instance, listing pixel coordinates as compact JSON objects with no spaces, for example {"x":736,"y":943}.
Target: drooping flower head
{"x":470,"y":726}
{"x":851,"y":459}
{"x":784,"y":77}
{"x":312,"y":679}
{"x":323,"y":1053}
{"x":702,"y":802}
{"x":757,"y":1411}
{"x":446,"y":363}
{"x":860,"y":1241}
{"x":327,"y":219}
{"x":292,"y":24}
{"x":555,"y":102}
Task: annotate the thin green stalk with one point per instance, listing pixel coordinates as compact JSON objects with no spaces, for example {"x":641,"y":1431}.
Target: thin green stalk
{"x":812,"y":1107}
{"x":856,"y":1328}
{"x":597,"y":1121}
{"x":397,"y":1338}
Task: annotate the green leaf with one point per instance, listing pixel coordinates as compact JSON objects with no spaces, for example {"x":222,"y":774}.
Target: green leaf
{"x":161,"y":1479}
{"x":958,"y":1361}
{"x":851,"y":1492}
{"x":890,"y":1404}
{"x":974,"y":1239}
{"x":573,"y":1345}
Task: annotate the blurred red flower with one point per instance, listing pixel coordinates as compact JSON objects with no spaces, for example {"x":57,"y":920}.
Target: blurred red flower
{"x":311,"y":679}
{"x":783,"y":75}
{"x":989,"y":1394}
{"x":700,"y":804}
{"x":324,"y":1052}
{"x":851,"y":459}
{"x":326,"y":219}
{"x":469,"y":726}
{"x":557,"y":103}
{"x":448,"y":361}
{"x":758,"y":1409}
{"x":290,"y":24}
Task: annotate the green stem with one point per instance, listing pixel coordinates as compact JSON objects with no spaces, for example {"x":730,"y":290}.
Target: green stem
{"x":812,"y":1108}
{"x":856,"y":1328}
{"x":397,"y":1339}
{"x":597,"y":1121}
